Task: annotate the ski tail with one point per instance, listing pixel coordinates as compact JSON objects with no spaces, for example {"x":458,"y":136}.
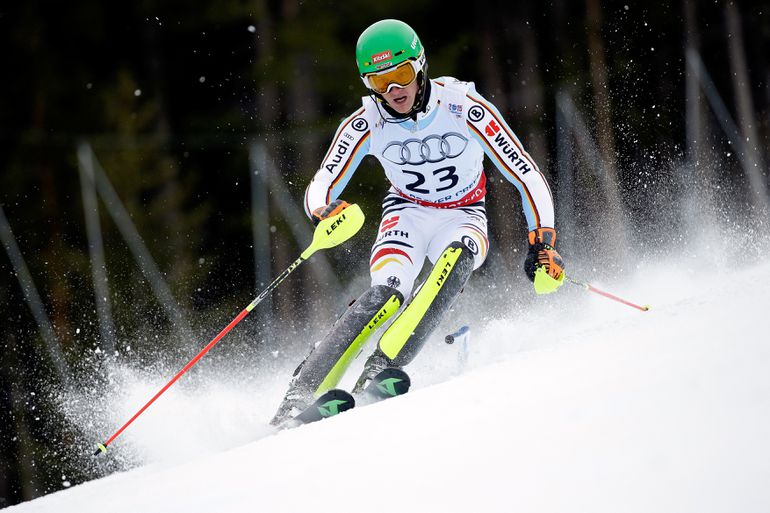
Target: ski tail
{"x":390,"y":382}
{"x":329,"y":404}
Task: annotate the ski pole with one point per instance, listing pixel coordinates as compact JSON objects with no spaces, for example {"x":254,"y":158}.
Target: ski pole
{"x":329,"y":233}
{"x":461,"y":337}
{"x":591,"y":288}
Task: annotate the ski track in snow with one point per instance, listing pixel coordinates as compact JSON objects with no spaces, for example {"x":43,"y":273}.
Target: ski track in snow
{"x":584,"y":405}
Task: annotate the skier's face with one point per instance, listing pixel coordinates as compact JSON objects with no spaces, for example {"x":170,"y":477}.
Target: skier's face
{"x":401,"y":99}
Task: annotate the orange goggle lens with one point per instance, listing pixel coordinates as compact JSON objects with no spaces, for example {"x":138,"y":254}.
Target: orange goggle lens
{"x":402,"y":75}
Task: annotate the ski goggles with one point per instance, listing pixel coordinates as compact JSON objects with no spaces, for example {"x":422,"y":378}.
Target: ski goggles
{"x":400,"y":76}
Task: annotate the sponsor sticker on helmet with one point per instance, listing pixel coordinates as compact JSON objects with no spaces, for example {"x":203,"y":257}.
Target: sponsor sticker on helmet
{"x":382,"y":56}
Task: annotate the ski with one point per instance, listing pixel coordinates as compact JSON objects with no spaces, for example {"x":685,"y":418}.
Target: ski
{"x":329,"y":404}
{"x":390,"y":382}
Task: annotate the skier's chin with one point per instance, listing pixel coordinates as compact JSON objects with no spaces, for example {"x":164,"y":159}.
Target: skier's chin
{"x":401,"y":105}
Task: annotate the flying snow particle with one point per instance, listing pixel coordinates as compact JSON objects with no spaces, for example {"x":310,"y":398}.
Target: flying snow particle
{"x":138,"y":92}
{"x":252,"y":28}
{"x":202,"y":79}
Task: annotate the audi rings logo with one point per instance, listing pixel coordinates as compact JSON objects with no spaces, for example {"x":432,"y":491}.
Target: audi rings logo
{"x":476,"y":114}
{"x":432,"y":149}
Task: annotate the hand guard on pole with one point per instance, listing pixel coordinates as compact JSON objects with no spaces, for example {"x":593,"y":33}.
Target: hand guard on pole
{"x":330,"y":210}
{"x":543,"y":265}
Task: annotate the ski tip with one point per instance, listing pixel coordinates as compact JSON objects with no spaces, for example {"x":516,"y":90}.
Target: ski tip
{"x":100,"y":448}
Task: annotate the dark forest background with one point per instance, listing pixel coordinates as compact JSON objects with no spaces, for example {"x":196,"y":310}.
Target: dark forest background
{"x":153,"y":157}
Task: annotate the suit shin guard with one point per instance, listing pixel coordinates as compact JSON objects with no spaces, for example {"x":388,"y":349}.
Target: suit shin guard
{"x":326,"y":364}
{"x":408,"y":333}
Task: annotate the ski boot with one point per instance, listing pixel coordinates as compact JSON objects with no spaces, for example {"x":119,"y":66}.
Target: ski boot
{"x":323,"y":368}
{"x":375,"y":364}
{"x":296,"y":400}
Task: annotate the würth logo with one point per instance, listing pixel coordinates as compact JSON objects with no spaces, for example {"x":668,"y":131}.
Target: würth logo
{"x":492,"y":128}
{"x":382,"y":56}
{"x":387,"y":224}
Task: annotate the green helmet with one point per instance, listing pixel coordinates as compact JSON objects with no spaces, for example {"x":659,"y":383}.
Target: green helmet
{"x":385,"y":44}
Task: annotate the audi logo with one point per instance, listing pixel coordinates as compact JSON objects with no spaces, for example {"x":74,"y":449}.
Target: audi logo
{"x":434,"y":148}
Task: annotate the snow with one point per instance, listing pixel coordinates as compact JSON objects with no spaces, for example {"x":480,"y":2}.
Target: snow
{"x":585,"y":405}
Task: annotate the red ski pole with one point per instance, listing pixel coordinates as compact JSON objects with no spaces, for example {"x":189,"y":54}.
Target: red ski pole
{"x":329,"y":233}
{"x":591,"y":288}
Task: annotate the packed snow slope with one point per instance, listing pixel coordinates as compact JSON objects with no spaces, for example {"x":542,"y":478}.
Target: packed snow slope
{"x":581,"y":406}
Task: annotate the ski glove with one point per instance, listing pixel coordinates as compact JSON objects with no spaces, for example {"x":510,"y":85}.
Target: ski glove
{"x":332,"y":209}
{"x":543,"y":265}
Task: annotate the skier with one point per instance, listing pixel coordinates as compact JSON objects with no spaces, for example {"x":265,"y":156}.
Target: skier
{"x":430,"y":136}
